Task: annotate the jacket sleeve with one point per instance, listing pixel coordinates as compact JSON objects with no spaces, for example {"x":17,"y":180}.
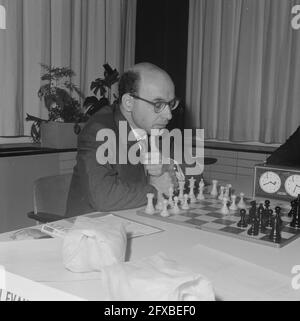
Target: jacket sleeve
{"x":287,"y":154}
{"x":102,"y":185}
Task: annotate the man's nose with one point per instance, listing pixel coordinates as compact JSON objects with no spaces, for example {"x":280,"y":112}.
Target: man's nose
{"x":166,"y":113}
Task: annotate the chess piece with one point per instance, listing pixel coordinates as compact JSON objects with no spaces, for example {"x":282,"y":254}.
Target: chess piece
{"x":214,"y":190}
{"x":171,"y":192}
{"x":241,"y":204}
{"x":159,"y":203}
{"x":150,"y":208}
{"x":242,"y":222}
{"x":191,"y":193}
{"x":165,"y":212}
{"x":175,"y":209}
{"x":253,"y":230}
{"x":275,"y":235}
{"x":233,"y":206}
{"x":181,"y":190}
{"x":277,"y":214}
{"x":269,"y":218}
{"x":185,"y":205}
{"x":221,"y":195}
{"x":224,"y":209}
{"x":200,"y":195}
{"x":296,"y":216}
{"x":252,"y":211}
{"x":293,"y":208}
{"x":227,"y":193}
{"x":261,"y":223}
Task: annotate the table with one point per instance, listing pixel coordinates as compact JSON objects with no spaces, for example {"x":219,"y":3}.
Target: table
{"x":239,"y":270}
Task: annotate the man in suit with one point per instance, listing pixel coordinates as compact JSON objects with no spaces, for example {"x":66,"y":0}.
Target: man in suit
{"x":288,"y":154}
{"x":103,"y":183}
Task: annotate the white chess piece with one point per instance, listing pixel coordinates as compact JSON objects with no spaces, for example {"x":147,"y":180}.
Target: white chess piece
{"x":171,"y":192}
{"x":227,"y":191}
{"x":224,"y":209}
{"x":181,"y":189}
{"x":159,"y":204}
{"x":233,"y":206}
{"x":150,"y":208}
{"x":185,"y":205}
{"x":175,"y":209}
{"x":191,"y":193}
{"x":241,"y":203}
{"x":200,"y":195}
{"x":214,"y":190}
{"x":221,"y":195}
{"x":165,"y":212}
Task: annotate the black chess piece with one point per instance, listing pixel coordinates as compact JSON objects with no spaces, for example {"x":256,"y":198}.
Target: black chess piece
{"x":275,"y":235}
{"x":293,"y":208}
{"x":269,"y":218}
{"x":242,"y":223}
{"x":253,"y":230}
{"x":252,"y":211}
{"x":296,"y":216}
{"x":261,"y":221}
{"x":277,"y":214}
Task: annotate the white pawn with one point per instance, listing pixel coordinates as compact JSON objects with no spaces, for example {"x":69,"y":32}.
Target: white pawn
{"x":221,"y":195}
{"x":224,"y":209}
{"x":150,"y":208}
{"x":185,"y":205}
{"x":181,"y":189}
{"x":214,"y":190}
{"x":175,"y":209}
{"x":171,"y":192}
{"x":165,"y":212}
{"x":242,"y":203}
{"x":233,"y":206}
{"x":159,"y":204}
{"x":200,"y":191}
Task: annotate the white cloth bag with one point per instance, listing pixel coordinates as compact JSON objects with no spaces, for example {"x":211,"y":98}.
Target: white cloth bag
{"x":90,"y":245}
{"x":155,"y":278}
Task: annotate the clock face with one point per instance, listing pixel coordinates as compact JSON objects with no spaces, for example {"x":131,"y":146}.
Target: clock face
{"x":270,"y":182}
{"x":292,"y":185}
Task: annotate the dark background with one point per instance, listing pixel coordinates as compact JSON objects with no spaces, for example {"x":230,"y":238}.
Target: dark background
{"x":161,"y":38}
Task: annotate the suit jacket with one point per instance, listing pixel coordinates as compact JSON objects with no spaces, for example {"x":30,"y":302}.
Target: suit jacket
{"x":287,"y":154}
{"x":108,"y":187}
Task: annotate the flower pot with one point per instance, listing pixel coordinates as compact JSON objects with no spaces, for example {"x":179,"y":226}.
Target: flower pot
{"x":58,"y":135}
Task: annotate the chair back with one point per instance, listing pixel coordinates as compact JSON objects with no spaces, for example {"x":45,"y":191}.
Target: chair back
{"x":50,"y":194}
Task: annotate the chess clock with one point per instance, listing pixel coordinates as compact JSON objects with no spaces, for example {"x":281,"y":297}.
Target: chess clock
{"x":276,"y":182}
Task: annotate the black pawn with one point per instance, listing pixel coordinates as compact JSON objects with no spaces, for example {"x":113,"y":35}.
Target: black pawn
{"x":293,"y":208}
{"x":277,"y":214}
{"x":269,"y":214}
{"x":275,"y":235}
{"x":261,"y":222}
{"x":242,"y":223}
{"x":253,"y":230}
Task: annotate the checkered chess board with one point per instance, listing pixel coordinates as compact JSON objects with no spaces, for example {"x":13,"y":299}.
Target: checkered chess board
{"x":206,"y":215}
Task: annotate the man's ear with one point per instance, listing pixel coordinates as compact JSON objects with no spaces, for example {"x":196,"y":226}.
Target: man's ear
{"x":127,"y":102}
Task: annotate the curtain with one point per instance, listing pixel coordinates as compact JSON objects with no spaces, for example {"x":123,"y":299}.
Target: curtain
{"x":80,"y":34}
{"x":243,"y":70}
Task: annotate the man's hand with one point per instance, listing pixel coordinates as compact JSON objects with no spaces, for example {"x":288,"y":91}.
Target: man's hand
{"x":162,"y":183}
{"x":153,"y":164}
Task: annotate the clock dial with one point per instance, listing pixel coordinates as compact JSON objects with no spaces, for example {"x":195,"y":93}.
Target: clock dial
{"x":269,"y":182}
{"x":292,"y":185}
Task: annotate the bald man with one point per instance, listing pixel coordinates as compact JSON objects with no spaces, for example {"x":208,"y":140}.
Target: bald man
{"x":101,"y":182}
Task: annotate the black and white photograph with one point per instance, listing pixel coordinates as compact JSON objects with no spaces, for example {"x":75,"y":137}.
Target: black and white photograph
{"x":149,"y":153}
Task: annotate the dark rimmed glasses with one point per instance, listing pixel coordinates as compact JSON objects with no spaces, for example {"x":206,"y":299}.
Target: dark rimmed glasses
{"x":159,"y":106}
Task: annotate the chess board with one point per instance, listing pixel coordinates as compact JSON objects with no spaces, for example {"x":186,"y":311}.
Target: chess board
{"x":206,"y":215}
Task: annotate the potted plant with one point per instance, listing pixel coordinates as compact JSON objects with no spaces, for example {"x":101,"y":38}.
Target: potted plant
{"x":102,"y":89}
{"x":64,"y":111}
{"x":66,"y":115}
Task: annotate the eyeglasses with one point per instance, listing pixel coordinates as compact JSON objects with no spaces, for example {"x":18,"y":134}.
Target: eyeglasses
{"x":159,"y":106}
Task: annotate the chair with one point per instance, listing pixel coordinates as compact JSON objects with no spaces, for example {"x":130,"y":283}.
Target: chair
{"x":50,"y":195}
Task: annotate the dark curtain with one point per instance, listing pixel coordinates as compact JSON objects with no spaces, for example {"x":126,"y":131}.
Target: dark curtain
{"x":161,"y":38}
